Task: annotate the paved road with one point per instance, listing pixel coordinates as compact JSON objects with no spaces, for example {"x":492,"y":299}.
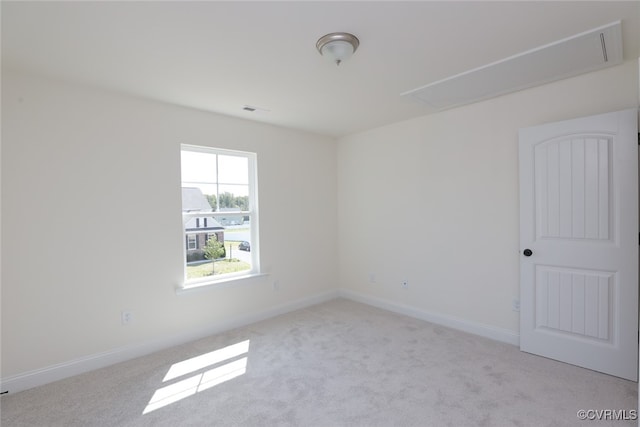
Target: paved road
{"x":237,"y":236}
{"x":241,"y":234}
{"x":241,"y":255}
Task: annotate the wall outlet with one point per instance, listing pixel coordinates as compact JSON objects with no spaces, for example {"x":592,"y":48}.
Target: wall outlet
{"x":515,"y":305}
{"x":276,"y":285}
{"x":372,"y":277}
{"x":404,"y":284}
{"x":126,"y":317}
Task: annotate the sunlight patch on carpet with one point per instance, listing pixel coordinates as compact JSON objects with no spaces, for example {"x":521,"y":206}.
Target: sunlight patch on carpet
{"x":209,"y":359}
{"x":227,"y":370}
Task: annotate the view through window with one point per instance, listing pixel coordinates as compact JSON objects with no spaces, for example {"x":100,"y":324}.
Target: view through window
{"x":219,"y":213}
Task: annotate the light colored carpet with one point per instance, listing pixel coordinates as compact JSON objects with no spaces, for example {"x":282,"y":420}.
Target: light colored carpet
{"x":335,"y":364}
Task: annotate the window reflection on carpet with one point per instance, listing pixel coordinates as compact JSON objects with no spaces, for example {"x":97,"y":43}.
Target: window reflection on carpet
{"x":230,"y":365}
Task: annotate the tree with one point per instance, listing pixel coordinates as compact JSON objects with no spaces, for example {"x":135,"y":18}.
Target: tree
{"x":242,"y":202}
{"x":213,"y":250}
{"x":226,"y":200}
{"x":211,"y":198}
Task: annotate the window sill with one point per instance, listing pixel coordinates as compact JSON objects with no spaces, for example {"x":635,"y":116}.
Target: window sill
{"x":216,"y":284}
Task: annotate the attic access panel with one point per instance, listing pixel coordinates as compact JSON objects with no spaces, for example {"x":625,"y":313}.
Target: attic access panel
{"x":582,"y":53}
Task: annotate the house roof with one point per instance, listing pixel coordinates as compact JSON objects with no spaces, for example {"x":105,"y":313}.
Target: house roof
{"x":194,"y":201}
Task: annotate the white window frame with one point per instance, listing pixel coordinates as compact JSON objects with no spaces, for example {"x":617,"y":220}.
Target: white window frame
{"x":252,"y":213}
{"x":195,"y":241}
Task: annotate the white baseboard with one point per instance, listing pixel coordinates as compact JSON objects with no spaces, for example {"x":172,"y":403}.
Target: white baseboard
{"x":38,"y":377}
{"x":60,"y":371}
{"x":483,"y":330}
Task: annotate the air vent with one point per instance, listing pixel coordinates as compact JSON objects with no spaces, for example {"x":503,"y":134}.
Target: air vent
{"x":253,"y":108}
{"x":589,"y":51}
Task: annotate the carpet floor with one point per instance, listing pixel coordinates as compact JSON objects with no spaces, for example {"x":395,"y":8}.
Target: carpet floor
{"x":338,"y":363}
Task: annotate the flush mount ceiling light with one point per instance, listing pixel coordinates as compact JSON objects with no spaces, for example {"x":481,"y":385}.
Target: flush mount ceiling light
{"x":338,"y":46}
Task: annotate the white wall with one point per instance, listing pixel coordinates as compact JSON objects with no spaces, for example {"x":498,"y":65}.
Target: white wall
{"x":91,"y":214}
{"x":91,"y":221}
{"x":435,"y":200}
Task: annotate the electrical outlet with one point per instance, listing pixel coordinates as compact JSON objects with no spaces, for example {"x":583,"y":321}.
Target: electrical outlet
{"x":515,"y":305}
{"x":276,"y":285}
{"x":405,"y":284}
{"x":372,"y":277}
{"x":126,"y":317}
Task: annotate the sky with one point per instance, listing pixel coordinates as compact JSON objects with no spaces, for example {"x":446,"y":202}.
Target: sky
{"x":231,"y":173}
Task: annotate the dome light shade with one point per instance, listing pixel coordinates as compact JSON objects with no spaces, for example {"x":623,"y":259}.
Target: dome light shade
{"x":337,"y":46}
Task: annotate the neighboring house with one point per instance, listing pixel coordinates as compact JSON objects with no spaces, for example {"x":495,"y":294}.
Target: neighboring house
{"x":199,"y":229}
{"x":231,"y":219}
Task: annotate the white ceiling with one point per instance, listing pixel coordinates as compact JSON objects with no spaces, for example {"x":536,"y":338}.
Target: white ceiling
{"x":221,"y":56}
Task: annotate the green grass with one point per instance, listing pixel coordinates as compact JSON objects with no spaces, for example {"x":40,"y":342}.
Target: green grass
{"x":221,"y":267}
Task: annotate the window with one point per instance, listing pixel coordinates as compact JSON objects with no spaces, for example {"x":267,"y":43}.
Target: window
{"x":219,"y":211}
{"x":191,"y":241}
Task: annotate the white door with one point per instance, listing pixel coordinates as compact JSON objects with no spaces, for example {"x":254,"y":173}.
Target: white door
{"x":579,"y":242}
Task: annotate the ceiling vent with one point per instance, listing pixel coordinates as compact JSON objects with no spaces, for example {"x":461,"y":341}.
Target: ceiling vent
{"x":589,"y":51}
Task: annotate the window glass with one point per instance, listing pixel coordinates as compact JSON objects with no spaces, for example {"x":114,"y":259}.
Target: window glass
{"x":219,"y":214}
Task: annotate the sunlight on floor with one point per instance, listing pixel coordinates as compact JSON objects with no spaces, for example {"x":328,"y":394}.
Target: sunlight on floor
{"x":202,"y":381}
{"x":200,"y":362}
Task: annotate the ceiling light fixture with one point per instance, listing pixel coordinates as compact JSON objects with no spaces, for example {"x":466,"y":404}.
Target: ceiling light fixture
{"x":337,"y":46}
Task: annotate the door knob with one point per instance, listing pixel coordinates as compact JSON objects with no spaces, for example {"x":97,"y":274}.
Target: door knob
{"x":527,"y":252}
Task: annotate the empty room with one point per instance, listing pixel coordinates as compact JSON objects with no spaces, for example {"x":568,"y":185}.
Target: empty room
{"x":319,"y":213}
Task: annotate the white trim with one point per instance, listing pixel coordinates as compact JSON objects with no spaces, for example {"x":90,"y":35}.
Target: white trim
{"x":195,"y":241}
{"x":38,"y":377}
{"x":81,"y":365}
{"x":223,"y":282}
{"x":254,"y":219}
{"x":197,"y":214}
{"x":252,"y":213}
{"x":487,"y":331}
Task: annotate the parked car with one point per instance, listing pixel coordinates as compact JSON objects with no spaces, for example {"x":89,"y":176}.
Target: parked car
{"x":244,"y":246}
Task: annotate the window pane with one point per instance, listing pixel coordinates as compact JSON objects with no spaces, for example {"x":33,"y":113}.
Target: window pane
{"x":234,"y":197}
{"x":233,"y":170}
{"x":198,"y":168}
{"x":194,"y":200}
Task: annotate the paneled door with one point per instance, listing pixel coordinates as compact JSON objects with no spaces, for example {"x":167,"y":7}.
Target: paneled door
{"x":579,"y":242}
